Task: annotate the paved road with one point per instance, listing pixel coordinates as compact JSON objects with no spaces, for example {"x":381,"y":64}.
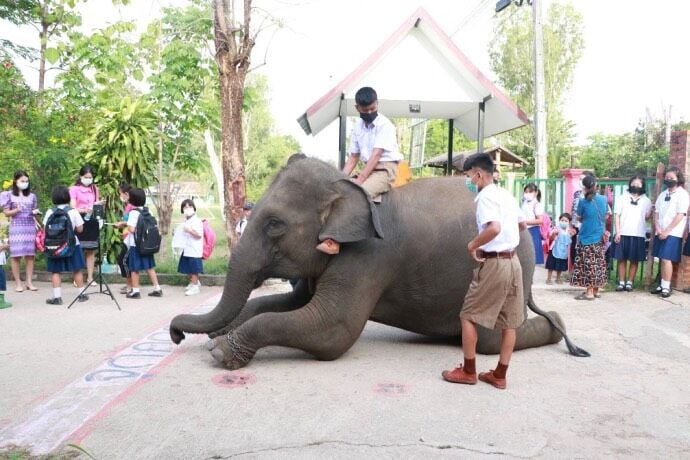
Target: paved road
{"x":112,"y":382}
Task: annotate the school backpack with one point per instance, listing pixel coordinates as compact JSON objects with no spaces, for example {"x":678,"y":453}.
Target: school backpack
{"x":209,"y":240}
{"x":60,"y":240}
{"x":545,"y":227}
{"x":147,"y":237}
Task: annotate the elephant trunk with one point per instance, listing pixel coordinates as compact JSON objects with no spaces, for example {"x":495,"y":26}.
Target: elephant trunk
{"x":239,"y":284}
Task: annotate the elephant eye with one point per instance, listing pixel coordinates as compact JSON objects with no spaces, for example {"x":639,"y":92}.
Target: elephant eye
{"x":275,"y":227}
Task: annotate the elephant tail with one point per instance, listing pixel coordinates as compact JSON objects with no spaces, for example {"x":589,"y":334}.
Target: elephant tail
{"x":572,"y":348}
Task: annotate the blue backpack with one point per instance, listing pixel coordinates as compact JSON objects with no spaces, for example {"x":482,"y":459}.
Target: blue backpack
{"x":60,"y":238}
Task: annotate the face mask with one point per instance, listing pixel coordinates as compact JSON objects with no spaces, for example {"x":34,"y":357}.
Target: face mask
{"x":528,"y":196}
{"x":670,"y":183}
{"x":563,"y":225}
{"x":86,"y":181}
{"x":368,"y":117}
{"x":636,"y":190}
{"x":189,"y":212}
{"x":23,"y":185}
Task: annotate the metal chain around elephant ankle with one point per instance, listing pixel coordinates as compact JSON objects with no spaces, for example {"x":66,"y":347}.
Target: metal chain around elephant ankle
{"x":240,"y":353}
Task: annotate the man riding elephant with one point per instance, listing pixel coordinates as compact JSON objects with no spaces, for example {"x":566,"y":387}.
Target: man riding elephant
{"x":375,"y":143}
{"x":403,"y":263}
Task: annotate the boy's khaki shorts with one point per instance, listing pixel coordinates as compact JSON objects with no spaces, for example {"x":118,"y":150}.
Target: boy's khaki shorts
{"x":495,"y":298}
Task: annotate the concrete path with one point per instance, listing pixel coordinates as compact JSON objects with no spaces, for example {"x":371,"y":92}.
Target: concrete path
{"x":112,"y":382}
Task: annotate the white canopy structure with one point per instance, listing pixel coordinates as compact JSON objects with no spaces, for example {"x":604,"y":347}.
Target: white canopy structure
{"x":418,"y":72}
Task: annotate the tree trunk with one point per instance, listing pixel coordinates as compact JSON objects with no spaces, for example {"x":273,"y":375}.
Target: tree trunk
{"x":231,"y":92}
{"x":234,"y":44}
{"x":43,"y":37}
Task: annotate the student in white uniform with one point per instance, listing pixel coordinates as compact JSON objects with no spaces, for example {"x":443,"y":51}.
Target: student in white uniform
{"x":632,"y":210}
{"x":669,"y":218}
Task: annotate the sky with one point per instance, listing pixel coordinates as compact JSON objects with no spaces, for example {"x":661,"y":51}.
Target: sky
{"x":635,"y":54}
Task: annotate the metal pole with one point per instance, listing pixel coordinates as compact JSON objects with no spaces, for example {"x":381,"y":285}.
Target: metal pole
{"x":449,"y":165}
{"x":342,"y":137}
{"x":541,"y":170}
{"x":480,"y":128}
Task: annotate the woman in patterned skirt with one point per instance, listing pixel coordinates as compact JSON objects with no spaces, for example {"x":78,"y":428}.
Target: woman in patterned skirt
{"x":83,"y":195}
{"x":20,"y":205}
{"x":590,"y":269}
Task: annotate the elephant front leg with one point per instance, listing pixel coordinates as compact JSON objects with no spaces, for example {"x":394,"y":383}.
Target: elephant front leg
{"x":324,"y":332}
{"x":270,"y":303}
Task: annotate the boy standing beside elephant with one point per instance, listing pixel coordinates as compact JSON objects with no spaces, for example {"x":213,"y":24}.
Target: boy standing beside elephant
{"x":495,"y":296}
{"x":375,"y":143}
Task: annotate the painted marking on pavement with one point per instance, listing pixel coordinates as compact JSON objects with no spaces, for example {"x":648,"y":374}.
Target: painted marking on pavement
{"x":73,"y":410}
{"x":234,"y":379}
{"x":391,"y":389}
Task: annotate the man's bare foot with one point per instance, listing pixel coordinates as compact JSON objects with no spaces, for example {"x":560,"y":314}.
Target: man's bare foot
{"x":329,"y":246}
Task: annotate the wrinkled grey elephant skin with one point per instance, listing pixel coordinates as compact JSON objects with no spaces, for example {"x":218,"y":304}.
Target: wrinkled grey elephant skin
{"x":403,"y":262}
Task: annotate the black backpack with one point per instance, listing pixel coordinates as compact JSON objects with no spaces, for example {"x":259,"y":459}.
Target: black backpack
{"x":147,"y":237}
{"x":60,"y":240}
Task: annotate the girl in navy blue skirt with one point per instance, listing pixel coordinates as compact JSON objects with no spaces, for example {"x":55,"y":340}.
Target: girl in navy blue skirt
{"x":136,"y":261}
{"x":189,"y":238}
{"x":74,"y":263}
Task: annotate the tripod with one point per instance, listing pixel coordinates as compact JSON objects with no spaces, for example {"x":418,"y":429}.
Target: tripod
{"x":99,"y":276}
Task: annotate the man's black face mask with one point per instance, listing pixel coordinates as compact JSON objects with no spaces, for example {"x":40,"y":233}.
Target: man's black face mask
{"x":368,"y":117}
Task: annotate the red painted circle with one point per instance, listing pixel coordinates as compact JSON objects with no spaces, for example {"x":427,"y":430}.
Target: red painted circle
{"x":234,"y":379}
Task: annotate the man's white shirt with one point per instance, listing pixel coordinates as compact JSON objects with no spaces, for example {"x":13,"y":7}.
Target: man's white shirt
{"x":379,"y":134}
{"x":495,"y":204}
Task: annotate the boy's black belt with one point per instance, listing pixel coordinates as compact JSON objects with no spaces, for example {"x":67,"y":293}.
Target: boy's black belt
{"x":498,"y":255}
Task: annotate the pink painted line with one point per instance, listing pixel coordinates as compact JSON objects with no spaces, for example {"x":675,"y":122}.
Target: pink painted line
{"x":58,"y":386}
{"x":87,"y":428}
{"x":73,"y":411}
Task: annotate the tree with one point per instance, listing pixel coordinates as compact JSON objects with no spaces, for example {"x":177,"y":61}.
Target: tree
{"x":181,"y":72}
{"x":234,"y":43}
{"x":51,"y":18}
{"x":511,"y":61}
{"x":122,"y":149}
{"x":32,"y":139}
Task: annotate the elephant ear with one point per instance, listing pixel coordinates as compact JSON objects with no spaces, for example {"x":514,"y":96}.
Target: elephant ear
{"x":351,"y":216}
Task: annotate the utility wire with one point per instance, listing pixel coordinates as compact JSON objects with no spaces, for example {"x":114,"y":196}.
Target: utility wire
{"x":474,"y":12}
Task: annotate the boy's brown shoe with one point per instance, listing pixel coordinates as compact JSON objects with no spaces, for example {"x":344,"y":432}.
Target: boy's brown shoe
{"x":489,"y":378}
{"x":458,"y":375}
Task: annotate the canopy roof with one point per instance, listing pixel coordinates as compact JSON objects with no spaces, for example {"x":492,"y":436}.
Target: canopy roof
{"x":418,"y":72}
{"x":501,"y":156}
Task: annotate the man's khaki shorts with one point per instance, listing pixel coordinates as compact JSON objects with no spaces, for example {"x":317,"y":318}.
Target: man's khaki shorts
{"x":495,"y":298}
{"x":381,"y":179}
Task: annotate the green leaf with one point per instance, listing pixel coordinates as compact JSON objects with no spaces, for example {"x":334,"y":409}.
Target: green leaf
{"x":52,"y":55}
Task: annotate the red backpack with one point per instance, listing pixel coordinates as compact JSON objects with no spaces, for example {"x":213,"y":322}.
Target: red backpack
{"x":209,"y":240}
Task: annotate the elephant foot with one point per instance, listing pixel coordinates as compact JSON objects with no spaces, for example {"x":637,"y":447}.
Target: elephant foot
{"x":227,"y":351}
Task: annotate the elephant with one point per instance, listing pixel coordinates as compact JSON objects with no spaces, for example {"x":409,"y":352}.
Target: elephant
{"x":403,"y":262}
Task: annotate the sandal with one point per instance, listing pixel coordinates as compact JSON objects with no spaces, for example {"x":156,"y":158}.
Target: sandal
{"x":583,"y":296}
